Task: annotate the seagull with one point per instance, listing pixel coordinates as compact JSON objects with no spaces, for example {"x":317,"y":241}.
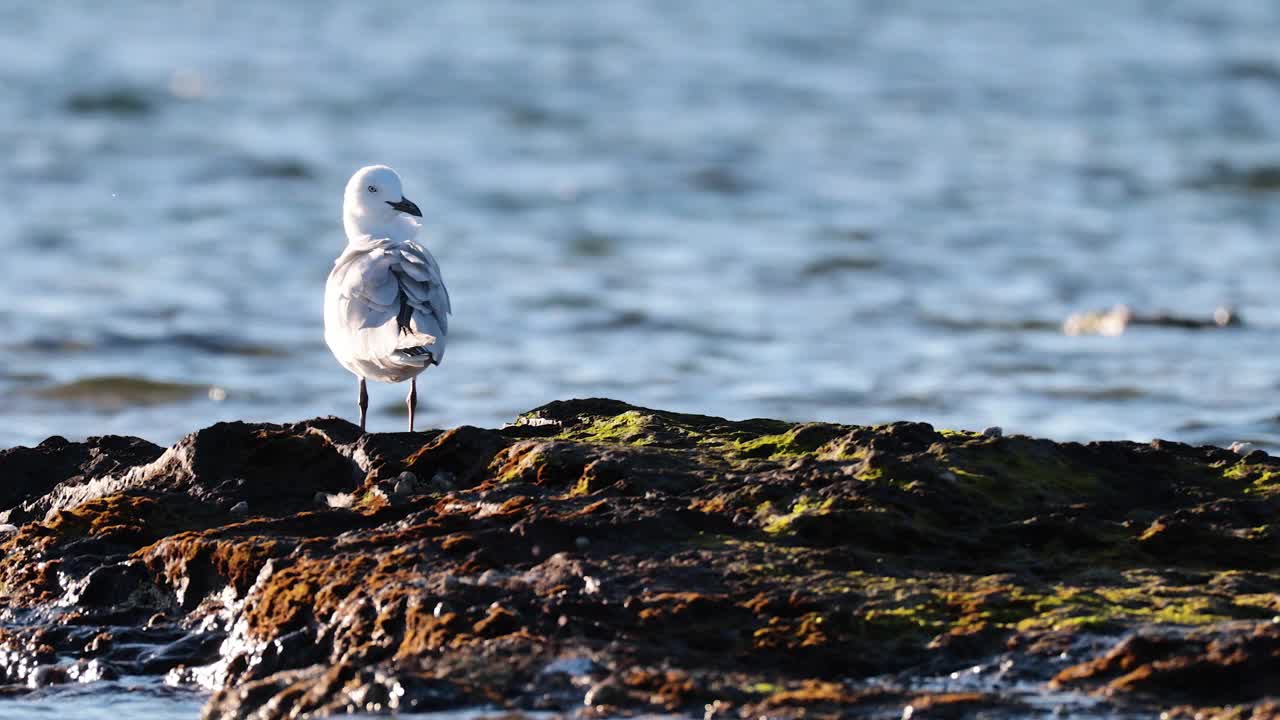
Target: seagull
{"x":386,"y":310}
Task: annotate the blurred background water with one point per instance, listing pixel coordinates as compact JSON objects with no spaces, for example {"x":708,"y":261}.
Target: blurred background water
{"x":843,"y":211}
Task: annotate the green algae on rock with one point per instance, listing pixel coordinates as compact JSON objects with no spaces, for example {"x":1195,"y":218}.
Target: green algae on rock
{"x":647,"y":560}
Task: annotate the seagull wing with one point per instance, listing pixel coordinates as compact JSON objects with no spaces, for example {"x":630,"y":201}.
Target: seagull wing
{"x":424,"y":307}
{"x":382,"y":300}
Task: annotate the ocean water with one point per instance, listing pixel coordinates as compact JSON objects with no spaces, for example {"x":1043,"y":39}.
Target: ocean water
{"x":135,"y":699}
{"x":844,"y":211}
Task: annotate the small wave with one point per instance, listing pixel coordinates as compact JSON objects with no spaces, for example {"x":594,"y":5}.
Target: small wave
{"x":504,"y":201}
{"x":278,"y":168}
{"x":635,"y":319}
{"x":720,"y":180}
{"x":208,"y":344}
{"x":50,"y":345}
{"x":1261,"y":433}
{"x":846,"y":234}
{"x":219,"y":345}
{"x":565,"y":300}
{"x":24,"y":377}
{"x":839,"y":264}
{"x":527,"y":115}
{"x":110,"y":392}
{"x":1225,"y":176}
{"x":1118,"y":393}
{"x":985,"y":323}
{"x":114,"y":101}
{"x":1252,"y":69}
{"x":45,"y":239}
{"x":195,"y":213}
{"x":251,"y":166}
{"x":592,"y":244}
{"x":919,"y":401}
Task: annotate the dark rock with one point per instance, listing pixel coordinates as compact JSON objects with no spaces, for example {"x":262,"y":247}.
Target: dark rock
{"x":463,"y":453}
{"x":115,"y":585}
{"x":198,"y":648}
{"x":696,"y":565}
{"x":607,"y":693}
{"x":1223,"y":665}
{"x":416,"y":693}
{"x":275,"y":468}
{"x":89,"y":671}
{"x":287,"y":652}
{"x":47,"y":675}
{"x":28,"y":474}
{"x":406,"y":484}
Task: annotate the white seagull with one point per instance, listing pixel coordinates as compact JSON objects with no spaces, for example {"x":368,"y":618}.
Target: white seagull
{"x":386,"y":310}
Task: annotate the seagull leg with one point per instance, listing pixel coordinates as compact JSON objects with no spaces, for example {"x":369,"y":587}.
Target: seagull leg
{"x":363,"y":403}
{"x":412,"y":400}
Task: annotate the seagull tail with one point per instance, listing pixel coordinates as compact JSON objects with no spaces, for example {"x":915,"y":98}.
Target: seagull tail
{"x":421,"y":356}
{"x":418,"y":349}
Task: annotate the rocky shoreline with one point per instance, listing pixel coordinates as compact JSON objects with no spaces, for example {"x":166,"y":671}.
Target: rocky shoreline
{"x":600,"y":558}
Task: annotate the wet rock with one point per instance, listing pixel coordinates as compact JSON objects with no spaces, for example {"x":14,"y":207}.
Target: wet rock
{"x":441,"y":482}
{"x":46,"y":675}
{"x":383,"y":456}
{"x":417,"y":693}
{"x":951,"y":705}
{"x":406,"y":484}
{"x":276,"y":468}
{"x":1221,"y":665}
{"x":197,"y":648}
{"x":463,"y":453}
{"x":256,"y":697}
{"x":289,"y":651}
{"x":114,"y":585}
{"x":607,"y":693}
{"x":31,"y":473}
{"x":91,"y":671}
{"x":573,"y":667}
{"x":646,"y":561}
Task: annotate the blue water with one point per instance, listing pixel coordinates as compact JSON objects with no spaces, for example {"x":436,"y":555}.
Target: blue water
{"x":115,"y":700}
{"x":850,"y":211}
{"x":142,"y":700}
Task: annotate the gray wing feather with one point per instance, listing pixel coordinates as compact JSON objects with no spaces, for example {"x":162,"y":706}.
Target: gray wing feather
{"x":422,"y":285}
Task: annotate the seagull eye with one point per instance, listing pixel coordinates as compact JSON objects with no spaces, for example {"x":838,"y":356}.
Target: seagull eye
{"x":373,"y":189}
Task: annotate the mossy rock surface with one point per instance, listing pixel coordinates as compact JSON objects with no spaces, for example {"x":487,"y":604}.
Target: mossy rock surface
{"x":649,"y":561}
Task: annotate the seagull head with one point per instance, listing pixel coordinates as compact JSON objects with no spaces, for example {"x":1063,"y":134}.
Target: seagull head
{"x":375,"y":205}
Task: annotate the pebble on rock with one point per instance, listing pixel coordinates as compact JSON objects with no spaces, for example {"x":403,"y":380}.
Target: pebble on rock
{"x":605,"y":692}
{"x":406,"y":484}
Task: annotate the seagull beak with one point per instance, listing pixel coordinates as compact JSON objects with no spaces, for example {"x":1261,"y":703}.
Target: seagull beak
{"x":406,"y":206}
